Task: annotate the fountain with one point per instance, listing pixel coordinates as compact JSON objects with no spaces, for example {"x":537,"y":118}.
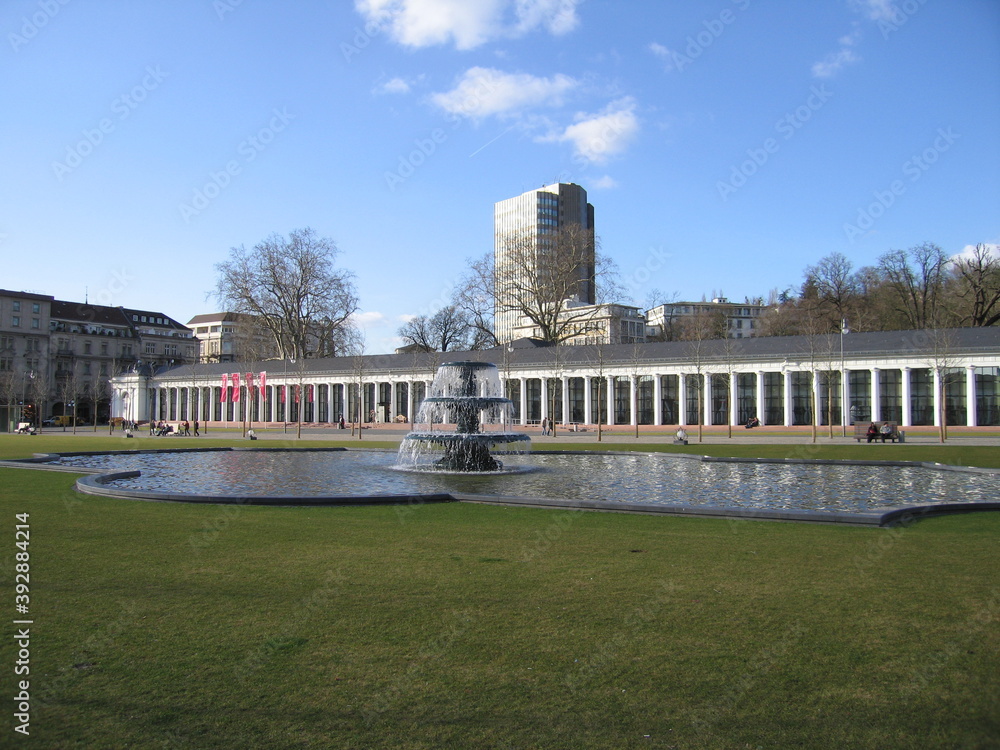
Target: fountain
{"x":469,"y":396}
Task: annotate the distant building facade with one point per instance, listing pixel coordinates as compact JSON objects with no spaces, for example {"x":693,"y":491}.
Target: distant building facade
{"x":531,"y":221}
{"x":739,"y":320}
{"x":595,"y":324}
{"x":230,"y":337}
{"x":61,"y":355}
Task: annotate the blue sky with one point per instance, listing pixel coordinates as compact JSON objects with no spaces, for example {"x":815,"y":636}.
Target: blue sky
{"x":725,"y":145}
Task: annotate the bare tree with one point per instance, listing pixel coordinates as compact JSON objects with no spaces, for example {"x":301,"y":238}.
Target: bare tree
{"x":941,"y":359}
{"x":977,"y":277}
{"x":540,"y":277}
{"x":293,"y":289}
{"x":834,"y":283}
{"x":915,"y":279}
{"x":601,"y":360}
{"x":448,"y":329}
{"x":474,"y":296}
{"x":9,"y":388}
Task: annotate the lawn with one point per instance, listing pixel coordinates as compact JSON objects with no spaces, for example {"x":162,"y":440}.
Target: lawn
{"x":472,"y":626}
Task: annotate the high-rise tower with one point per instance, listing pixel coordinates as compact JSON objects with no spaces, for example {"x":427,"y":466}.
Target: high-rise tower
{"x":543,"y":244}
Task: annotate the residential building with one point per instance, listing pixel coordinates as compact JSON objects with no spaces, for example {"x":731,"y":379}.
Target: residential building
{"x":526,"y":229}
{"x":230,"y":337}
{"x":60,"y":355}
{"x":594,"y":324}
{"x":24,"y":351}
{"x":739,"y":320}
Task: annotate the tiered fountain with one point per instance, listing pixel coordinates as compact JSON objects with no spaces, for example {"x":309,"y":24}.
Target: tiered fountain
{"x":469,"y":397}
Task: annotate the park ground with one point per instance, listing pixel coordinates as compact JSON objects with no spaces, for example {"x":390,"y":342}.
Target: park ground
{"x":471,"y":626}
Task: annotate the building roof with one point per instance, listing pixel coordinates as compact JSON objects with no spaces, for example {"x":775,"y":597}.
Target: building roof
{"x":795,"y":349}
{"x":81,"y":312}
{"x":219,"y":317}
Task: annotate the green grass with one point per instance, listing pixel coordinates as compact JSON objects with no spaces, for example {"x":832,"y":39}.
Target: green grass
{"x":468,"y":626}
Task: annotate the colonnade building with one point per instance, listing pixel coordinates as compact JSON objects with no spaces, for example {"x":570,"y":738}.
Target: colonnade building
{"x":901,"y":376}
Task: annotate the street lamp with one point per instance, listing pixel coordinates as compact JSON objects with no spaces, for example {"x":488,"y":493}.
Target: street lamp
{"x":843,"y":377}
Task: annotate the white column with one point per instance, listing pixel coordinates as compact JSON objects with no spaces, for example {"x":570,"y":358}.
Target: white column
{"x":611,"y":399}
{"x":760,"y":395}
{"x":657,"y":399}
{"x":682,"y":399}
{"x":937,"y":397}
{"x":816,"y":399}
{"x":524,"y":401}
{"x":565,"y":400}
{"x":733,"y":410}
{"x":633,"y":399}
{"x":876,"y":396}
{"x":392,"y":401}
{"x":971,"y":416}
{"x":845,"y":399}
{"x":588,"y":411}
{"x":787,"y":398}
{"x":905,"y":397}
{"x":706,"y":394}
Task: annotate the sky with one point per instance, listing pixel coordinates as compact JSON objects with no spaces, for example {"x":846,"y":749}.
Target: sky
{"x":726,"y":145}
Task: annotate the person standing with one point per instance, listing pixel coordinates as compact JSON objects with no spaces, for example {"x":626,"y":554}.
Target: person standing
{"x":196,"y":428}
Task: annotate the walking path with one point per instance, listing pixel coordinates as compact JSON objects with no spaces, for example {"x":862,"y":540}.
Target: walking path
{"x":988,"y":436}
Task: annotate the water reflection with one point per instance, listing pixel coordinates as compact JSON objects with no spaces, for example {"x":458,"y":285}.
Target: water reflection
{"x":651,"y":479}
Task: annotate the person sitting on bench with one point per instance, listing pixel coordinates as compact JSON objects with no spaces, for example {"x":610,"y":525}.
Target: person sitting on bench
{"x":885,"y":431}
{"x":872,"y":433}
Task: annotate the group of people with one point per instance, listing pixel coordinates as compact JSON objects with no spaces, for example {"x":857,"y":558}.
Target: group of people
{"x":161,"y":428}
{"x":875,"y":432}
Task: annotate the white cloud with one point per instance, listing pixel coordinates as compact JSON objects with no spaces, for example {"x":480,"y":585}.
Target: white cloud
{"x":558,"y":16}
{"x":833,"y":63}
{"x":664,"y":53}
{"x":993,"y":250}
{"x":393,"y":86}
{"x":836,"y":61}
{"x":876,"y":10}
{"x":364,"y":319}
{"x":467,"y":23}
{"x":598,"y":137}
{"x":482,"y":92}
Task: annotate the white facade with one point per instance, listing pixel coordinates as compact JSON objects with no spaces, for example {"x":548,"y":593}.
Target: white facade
{"x":782,"y":381}
{"x":740,"y":318}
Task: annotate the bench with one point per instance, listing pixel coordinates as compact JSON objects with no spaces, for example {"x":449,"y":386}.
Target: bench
{"x":861,"y":432}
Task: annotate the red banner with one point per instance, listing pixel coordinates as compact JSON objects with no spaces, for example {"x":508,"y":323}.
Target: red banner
{"x":297,"y":394}
{"x":250,"y":391}
{"x":309,"y":393}
{"x":236,"y":386}
{"x":281,"y":393}
{"x":262,"y":378}
{"x":224,"y":393}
